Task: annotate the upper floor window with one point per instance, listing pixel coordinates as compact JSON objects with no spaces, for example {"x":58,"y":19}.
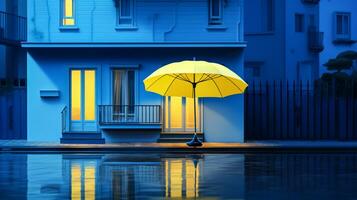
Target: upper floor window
{"x":125,"y":13}
{"x":215,"y":12}
{"x":343,"y":25}
{"x":299,"y":23}
{"x":268,"y":15}
{"x":67,"y":13}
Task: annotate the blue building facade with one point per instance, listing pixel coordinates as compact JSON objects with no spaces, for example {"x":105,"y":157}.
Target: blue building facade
{"x":12,"y":70}
{"x":86,"y":61}
{"x":291,"y":40}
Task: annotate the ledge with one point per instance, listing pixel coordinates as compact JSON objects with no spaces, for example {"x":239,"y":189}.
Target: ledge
{"x":135,"y":45}
{"x":49,"y":93}
{"x":68,"y":28}
{"x":216,"y":27}
{"x":126,"y":28}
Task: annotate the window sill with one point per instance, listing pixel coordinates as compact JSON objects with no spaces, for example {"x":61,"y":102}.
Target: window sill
{"x":260,"y":33}
{"x":126,"y":28}
{"x":216,"y":27}
{"x":69,"y":28}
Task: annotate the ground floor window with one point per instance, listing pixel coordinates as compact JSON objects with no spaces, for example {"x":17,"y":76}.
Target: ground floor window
{"x":179,"y":114}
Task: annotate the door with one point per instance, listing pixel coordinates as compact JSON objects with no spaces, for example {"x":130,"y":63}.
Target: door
{"x":179,"y":115}
{"x":83,"y":100}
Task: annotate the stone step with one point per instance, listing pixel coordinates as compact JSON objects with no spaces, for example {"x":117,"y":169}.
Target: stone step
{"x":82,"y":141}
{"x":84,"y":135}
{"x":178,"y":137}
{"x":82,"y":138}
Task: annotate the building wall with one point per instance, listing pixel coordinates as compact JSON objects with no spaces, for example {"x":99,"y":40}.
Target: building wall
{"x":300,"y":62}
{"x":12,"y":69}
{"x":327,"y":10}
{"x":265,"y":49}
{"x":156,"y":21}
{"x":49,"y":70}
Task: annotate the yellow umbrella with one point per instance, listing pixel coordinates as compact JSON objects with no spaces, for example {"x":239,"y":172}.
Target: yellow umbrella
{"x":195,"y":79}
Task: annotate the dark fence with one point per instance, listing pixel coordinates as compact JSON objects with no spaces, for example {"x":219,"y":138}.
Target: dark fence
{"x":13,"y":28}
{"x":280,"y":110}
{"x":127,"y":114}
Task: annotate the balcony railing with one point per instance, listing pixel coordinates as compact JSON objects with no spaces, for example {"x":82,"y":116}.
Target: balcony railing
{"x":13,"y":28}
{"x":316,"y":40}
{"x":129,"y":114}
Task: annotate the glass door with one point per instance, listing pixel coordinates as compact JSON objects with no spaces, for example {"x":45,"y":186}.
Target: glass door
{"x":179,"y":114}
{"x":83,"y":100}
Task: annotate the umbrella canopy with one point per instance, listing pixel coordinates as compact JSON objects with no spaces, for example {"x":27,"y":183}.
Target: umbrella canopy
{"x":209,"y":79}
{"x":195,"y":79}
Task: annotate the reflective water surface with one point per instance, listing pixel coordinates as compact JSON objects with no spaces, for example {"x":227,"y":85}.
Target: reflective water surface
{"x":178,"y":176}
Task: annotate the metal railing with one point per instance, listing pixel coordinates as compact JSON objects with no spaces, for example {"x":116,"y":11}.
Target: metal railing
{"x":64,"y":119}
{"x":316,"y":40}
{"x":13,"y":28}
{"x":129,"y":114}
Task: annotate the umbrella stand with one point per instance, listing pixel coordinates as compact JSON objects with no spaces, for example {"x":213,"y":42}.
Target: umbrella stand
{"x":195,"y":141}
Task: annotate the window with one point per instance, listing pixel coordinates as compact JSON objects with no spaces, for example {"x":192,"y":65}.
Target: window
{"x":299,"y":23}
{"x":252,"y":70}
{"x":125,"y":13}
{"x":67,"y":13}
{"x":343,"y":25}
{"x":123,"y":91}
{"x":268,"y":15}
{"x":215,"y":12}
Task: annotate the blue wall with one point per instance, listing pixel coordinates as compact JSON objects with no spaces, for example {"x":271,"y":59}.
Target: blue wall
{"x":170,"y":20}
{"x":49,"y":70}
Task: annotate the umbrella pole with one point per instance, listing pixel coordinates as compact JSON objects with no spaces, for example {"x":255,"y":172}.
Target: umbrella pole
{"x":195,"y":141}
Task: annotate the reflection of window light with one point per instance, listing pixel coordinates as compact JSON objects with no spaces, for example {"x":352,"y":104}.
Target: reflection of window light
{"x":181,"y":175}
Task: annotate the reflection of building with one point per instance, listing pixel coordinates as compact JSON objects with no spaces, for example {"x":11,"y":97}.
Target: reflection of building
{"x":118,"y":177}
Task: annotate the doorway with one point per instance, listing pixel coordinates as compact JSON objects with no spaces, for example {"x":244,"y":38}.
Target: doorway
{"x":83,"y":100}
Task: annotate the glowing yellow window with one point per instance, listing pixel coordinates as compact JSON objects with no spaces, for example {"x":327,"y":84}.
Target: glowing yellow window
{"x":89,"y":92}
{"x":76,"y":94}
{"x":68,"y":13}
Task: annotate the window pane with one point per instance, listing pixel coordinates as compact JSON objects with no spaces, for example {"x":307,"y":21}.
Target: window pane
{"x":89,"y":91}
{"x":190,"y":114}
{"x":345,"y":24}
{"x":215,"y":7}
{"x":270,"y":16}
{"x":125,"y":8}
{"x":176,"y":112}
{"x":131,"y":91}
{"x":68,"y":6}
{"x":118,"y":81}
{"x":339,"y":24}
{"x":76,"y":95}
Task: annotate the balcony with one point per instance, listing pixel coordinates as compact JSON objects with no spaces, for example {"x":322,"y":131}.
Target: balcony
{"x":315,"y":40}
{"x":130,"y":117}
{"x":13,"y":29}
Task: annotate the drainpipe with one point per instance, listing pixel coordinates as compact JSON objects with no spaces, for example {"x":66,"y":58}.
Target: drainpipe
{"x":175,"y":21}
{"x":92,"y":18}
{"x":49,"y":21}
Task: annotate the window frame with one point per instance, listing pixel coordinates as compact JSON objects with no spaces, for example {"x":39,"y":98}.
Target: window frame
{"x":63,"y":17}
{"x":342,"y":35}
{"x":131,"y":25}
{"x":215,"y":20}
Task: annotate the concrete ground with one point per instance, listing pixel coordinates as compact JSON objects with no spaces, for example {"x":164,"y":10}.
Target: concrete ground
{"x":250,"y":146}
